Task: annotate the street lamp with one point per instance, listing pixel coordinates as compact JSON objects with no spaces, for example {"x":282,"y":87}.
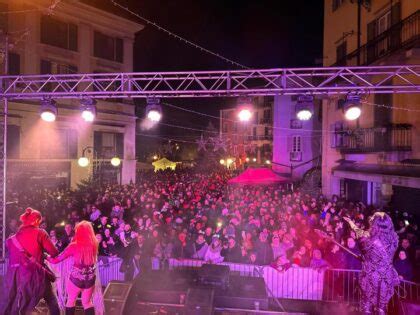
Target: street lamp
{"x":115,"y":161}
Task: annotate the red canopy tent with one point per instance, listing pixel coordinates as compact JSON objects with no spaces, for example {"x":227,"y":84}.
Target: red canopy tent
{"x":259,"y":176}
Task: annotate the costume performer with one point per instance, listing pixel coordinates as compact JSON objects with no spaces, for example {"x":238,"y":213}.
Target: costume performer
{"x":378,"y":276}
{"x":27,"y":280}
{"x":83,"y":272}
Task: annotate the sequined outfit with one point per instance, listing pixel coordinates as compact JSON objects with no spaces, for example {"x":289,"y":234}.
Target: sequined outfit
{"x":83,"y":276}
{"x":378,"y":276}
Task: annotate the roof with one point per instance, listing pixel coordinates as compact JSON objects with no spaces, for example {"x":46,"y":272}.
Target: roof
{"x":259,"y":176}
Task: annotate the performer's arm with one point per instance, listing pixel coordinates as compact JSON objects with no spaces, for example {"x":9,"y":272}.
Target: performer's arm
{"x":69,"y":251}
{"x":47,"y":245}
{"x":358,"y":231}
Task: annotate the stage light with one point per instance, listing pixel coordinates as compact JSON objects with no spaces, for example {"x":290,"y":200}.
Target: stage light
{"x":48,"y":110}
{"x":116,"y":161}
{"x":304,"y":107}
{"x":88,"y":109}
{"x":352,"y":108}
{"x":153,"y":110}
{"x":222,"y":162}
{"x":245,"y":115}
{"x":83,"y":161}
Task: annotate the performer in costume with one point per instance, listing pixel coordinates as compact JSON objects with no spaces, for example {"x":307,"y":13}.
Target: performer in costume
{"x":27,"y":279}
{"x":378,"y":276}
{"x":84,"y":250}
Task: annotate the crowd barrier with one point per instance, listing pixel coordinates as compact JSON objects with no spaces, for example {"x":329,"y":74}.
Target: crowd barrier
{"x":294,"y":283}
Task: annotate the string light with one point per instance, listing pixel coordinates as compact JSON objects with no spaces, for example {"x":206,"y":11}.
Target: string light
{"x":160,"y":28}
{"x":390,"y":106}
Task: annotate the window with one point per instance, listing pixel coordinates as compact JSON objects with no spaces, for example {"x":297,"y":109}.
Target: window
{"x":13,"y":141}
{"x":296,"y":144}
{"x":14,"y":63}
{"x":336,"y":4}
{"x":57,"y":33}
{"x":108,"y":144}
{"x":107,"y":47}
{"x":59,"y":144}
{"x":341,"y":53}
{"x":295,"y":124}
{"x":225,"y":128}
{"x":53,"y":67}
{"x":267,"y":115}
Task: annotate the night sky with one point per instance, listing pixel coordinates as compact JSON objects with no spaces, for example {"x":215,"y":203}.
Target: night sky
{"x":258,"y":34}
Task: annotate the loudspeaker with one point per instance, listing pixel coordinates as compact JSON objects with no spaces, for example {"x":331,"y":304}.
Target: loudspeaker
{"x":199,"y":301}
{"x":409,"y":307}
{"x":115,"y":297}
{"x":215,"y":275}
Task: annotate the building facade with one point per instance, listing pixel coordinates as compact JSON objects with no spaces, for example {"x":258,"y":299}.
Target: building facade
{"x":70,"y":38}
{"x":251,"y":142}
{"x":375,"y":158}
{"x":297,"y":143}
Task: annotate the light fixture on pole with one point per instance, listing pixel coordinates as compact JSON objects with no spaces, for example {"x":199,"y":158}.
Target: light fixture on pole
{"x":245,"y":109}
{"x":83,"y":161}
{"x":153,"y":110}
{"x":304,"y":107}
{"x":352,"y":107}
{"x":88,"y":109}
{"x":48,"y":110}
{"x":115,"y":161}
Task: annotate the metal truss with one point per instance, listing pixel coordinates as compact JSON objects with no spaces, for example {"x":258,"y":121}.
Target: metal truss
{"x":293,"y":81}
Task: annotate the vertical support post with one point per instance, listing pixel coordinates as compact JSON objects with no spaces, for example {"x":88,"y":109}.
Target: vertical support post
{"x":3,"y":155}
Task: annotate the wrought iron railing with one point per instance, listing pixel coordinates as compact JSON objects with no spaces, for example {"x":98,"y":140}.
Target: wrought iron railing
{"x":390,"y":138}
{"x":404,"y":34}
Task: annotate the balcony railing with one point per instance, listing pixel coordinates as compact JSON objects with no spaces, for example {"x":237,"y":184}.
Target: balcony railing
{"x":260,"y":137}
{"x":266,"y":121}
{"x":404,"y":34}
{"x":390,"y":138}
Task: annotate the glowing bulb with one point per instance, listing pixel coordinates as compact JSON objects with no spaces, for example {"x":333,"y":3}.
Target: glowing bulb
{"x":353,"y":112}
{"x":267,"y":162}
{"x":154,"y":115}
{"x":254,"y":160}
{"x":155,"y":157}
{"x":115,"y":161}
{"x":88,"y":116}
{"x":247,"y":159}
{"x":229,"y":161}
{"x":222,"y":162}
{"x":245,"y":115}
{"x":304,"y":114}
{"x":83,"y":161}
{"x":48,"y":116}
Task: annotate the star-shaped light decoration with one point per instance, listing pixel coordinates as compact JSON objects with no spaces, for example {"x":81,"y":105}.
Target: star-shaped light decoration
{"x":219,"y":144}
{"x":202,"y":144}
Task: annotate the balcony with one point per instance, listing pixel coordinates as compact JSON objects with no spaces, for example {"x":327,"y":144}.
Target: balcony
{"x":260,"y":138}
{"x":296,"y":156}
{"x":404,"y":34}
{"x":368,"y":140}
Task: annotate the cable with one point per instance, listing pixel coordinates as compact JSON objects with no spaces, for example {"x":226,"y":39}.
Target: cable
{"x":160,"y":28}
{"x":390,"y":106}
{"x":50,"y":8}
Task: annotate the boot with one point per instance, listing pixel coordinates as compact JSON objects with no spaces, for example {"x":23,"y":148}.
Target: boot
{"x":90,"y":311}
{"x":70,"y":310}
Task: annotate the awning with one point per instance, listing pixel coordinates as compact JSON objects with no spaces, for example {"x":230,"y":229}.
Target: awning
{"x":398,"y":175}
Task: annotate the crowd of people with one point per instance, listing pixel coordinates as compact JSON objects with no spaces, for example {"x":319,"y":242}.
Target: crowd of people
{"x":190,"y":215}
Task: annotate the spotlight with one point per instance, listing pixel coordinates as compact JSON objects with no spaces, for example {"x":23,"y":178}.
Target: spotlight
{"x":352,"y":108}
{"x":222,"y":161}
{"x":153,"y":110}
{"x":83,"y":161}
{"x":245,"y":115}
{"x":116,"y":161}
{"x":48,"y":110}
{"x":304,"y":107}
{"x":245,"y":109}
{"x":88,"y":109}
